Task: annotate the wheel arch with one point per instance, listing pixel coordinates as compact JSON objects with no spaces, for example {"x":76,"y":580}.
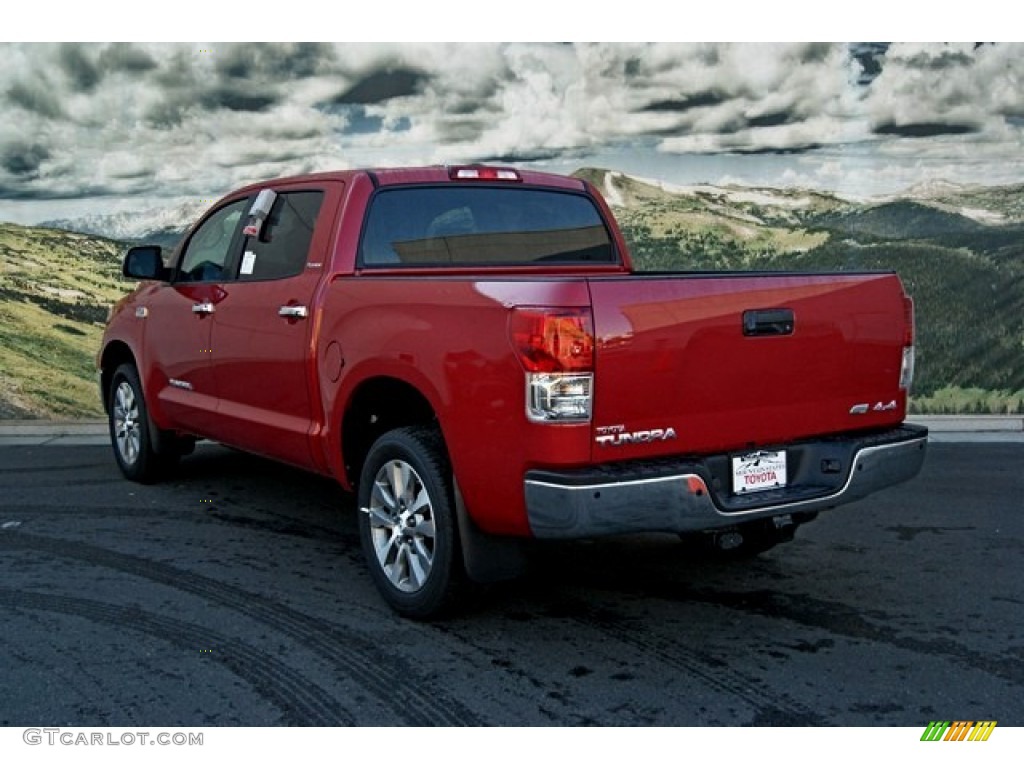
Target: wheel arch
{"x":378,"y":405}
{"x":114,"y":354}
{"x":485,"y":558}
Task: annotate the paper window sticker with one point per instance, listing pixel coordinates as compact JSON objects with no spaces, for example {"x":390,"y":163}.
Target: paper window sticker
{"x":248,"y":262}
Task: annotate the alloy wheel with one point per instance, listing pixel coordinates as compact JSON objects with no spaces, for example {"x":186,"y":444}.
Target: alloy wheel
{"x":401,"y":518}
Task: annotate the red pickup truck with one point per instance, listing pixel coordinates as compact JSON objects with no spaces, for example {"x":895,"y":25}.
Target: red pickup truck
{"x":468,"y":349}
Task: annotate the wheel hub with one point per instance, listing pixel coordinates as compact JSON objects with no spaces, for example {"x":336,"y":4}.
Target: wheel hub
{"x":401,"y":525}
{"x":127,"y":430}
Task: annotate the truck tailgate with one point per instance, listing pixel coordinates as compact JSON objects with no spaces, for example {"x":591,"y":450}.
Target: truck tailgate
{"x":691,"y":364}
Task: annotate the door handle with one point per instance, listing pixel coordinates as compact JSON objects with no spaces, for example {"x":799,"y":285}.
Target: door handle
{"x":768,"y":322}
{"x":292,"y":311}
{"x":203,"y":308}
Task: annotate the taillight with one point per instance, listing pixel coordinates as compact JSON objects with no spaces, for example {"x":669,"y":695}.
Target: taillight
{"x":907,"y":364}
{"x":483,"y":173}
{"x":556,"y":348}
{"x":549,"y":339}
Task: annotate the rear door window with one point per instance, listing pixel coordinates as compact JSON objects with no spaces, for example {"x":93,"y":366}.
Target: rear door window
{"x":484,"y":226}
{"x":282,"y":247}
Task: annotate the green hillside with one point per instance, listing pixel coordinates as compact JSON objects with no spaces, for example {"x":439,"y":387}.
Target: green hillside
{"x":970,"y":308}
{"x":1002,"y":204}
{"x":966,"y":276}
{"x":55,"y":288}
{"x":901,"y":220}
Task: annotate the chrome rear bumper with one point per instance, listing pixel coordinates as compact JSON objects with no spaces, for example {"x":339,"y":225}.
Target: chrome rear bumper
{"x":692,"y":495}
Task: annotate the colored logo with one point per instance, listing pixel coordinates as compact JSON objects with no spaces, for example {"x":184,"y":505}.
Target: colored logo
{"x":959,"y":730}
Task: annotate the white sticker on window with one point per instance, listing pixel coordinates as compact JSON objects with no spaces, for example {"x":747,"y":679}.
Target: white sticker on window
{"x":248,"y":262}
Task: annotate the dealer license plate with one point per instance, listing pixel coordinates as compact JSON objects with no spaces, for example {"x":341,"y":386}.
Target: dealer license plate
{"x":760,"y":471}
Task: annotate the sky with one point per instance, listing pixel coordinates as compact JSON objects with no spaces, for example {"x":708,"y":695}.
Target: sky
{"x":98,"y":128}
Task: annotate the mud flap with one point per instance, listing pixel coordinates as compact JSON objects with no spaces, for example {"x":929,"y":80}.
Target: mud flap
{"x":486,"y":558}
{"x":167,"y":443}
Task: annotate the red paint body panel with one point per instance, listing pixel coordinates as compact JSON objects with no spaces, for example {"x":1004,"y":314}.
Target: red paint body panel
{"x":670,"y":353}
{"x":175,"y":345}
{"x":266,"y":385}
{"x":449,"y":339}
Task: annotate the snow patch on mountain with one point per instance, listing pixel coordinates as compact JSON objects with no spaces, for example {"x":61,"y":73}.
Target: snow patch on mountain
{"x":175,"y":217}
{"x":766,"y":197}
{"x":611,"y":193}
{"x":932,"y":188}
{"x":983,"y":216}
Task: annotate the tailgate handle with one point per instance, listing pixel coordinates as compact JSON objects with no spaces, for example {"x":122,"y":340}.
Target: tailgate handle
{"x":768,"y":322}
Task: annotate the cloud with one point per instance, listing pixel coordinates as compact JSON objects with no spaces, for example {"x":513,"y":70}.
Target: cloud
{"x":36,"y":96}
{"x":919,"y":130}
{"x":869,"y":57}
{"x":176,"y":69}
{"x":711,"y":98}
{"x":772,"y":119}
{"x":238,"y":98}
{"x":942,"y":59}
{"x":686,"y":103}
{"x":78,"y":66}
{"x":125,"y":57}
{"x":384,"y":85}
{"x":929,"y":90}
{"x":168,"y":113}
{"x":22,"y":159}
{"x":281,"y":61}
{"x":195,"y":119}
{"x":519,"y":157}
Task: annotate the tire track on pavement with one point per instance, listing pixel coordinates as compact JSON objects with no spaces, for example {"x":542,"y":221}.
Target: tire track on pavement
{"x":378,"y":671}
{"x":772,"y":708}
{"x":846,"y":621}
{"x":272,"y":523}
{"x":49,"y":470}
{"x":301,"y":701}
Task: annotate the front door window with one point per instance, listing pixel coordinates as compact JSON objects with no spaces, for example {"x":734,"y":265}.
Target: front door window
{"x":209,"y":249}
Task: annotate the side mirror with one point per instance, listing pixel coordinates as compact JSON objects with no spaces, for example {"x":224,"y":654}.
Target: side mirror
{"x":144,"y":262}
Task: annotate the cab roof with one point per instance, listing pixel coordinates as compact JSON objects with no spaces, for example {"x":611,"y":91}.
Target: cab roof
{"x":436,"y":174}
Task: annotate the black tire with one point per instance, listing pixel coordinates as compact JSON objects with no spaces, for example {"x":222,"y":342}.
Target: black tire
{"x":407,"y":523}
{"x":130,"y":430}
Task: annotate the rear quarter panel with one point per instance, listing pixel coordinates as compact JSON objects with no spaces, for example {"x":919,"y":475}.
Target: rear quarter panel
{"x":448,"y":337}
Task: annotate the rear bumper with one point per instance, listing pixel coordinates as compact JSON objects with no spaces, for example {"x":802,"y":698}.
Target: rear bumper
{"x":681,"y":495}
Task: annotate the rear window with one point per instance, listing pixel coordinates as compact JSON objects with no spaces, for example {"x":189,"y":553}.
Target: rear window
{"x":485,"y":226}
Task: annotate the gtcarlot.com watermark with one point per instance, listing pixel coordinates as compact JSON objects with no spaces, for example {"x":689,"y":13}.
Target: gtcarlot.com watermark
{"x":71,"y":738}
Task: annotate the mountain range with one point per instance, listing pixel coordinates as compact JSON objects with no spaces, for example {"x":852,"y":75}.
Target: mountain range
{"x":161,"y":226}
{"x":959,"y":250}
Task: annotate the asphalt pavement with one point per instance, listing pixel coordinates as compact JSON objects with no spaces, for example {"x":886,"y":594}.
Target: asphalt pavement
{"x":235,"y":594}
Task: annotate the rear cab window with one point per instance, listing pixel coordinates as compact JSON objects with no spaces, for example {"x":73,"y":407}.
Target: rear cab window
{"x":476,"y":225}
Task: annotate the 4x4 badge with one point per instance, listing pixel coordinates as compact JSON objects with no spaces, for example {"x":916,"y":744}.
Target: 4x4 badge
{"x":861,"y":408}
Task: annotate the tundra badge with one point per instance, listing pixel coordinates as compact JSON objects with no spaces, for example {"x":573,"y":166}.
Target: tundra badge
{"x":617,"y":435}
